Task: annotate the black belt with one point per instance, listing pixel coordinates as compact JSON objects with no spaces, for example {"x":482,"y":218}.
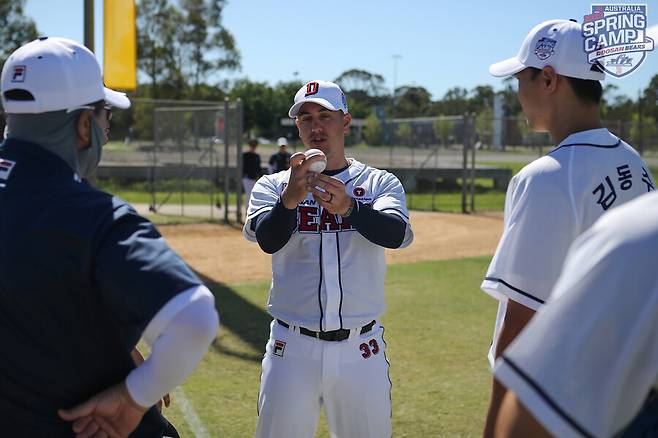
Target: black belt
{"x":333,"y":335}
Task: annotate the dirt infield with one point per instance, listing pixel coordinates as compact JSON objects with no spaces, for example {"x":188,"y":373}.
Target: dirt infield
{"x":221,"y":253}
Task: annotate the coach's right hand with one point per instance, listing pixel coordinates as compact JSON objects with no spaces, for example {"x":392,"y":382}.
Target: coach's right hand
{"x":300,"y":179}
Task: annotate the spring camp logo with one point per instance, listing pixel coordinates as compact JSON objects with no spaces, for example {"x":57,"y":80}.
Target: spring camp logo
{"x":615,"y":37}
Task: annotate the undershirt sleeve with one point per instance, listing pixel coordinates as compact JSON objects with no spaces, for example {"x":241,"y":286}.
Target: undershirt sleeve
{"x":274,"y":227}
{"x":380,"y":228}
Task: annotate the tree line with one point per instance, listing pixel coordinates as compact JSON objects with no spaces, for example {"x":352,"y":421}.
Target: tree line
{"x":184,"y":48}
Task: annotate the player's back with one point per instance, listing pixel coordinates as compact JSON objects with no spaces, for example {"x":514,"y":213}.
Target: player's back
{"x":552,"y":201}
{"x":602,"y":172}
{"x":61,"y":341}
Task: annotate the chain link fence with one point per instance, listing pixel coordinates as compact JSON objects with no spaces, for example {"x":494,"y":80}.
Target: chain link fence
{"x":464,"y":163}
{"x":184,"y":157}
{"x":188,"y":165}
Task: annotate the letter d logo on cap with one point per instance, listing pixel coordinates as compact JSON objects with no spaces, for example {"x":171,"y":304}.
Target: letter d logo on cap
{"x":312,"y":88}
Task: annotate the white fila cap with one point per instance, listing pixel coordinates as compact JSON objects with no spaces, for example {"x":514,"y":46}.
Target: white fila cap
{"x":558,"y":43}
{"x":324,"y":93}
{"x":52,"y":74}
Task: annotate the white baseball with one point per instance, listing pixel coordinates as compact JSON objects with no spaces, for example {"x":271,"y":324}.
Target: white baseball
{"x":318,"y":166}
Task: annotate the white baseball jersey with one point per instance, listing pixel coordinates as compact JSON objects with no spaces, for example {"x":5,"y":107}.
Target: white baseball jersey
{"x":328,"y":276}
{"x":598,"y":355}
{"x":552,"y":201}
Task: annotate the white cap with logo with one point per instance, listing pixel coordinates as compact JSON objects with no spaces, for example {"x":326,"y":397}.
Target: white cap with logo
{"x":52,"y":74}
{"x":324,"y":93}
{"x":281,"y":141}
{"x":558,"y":43}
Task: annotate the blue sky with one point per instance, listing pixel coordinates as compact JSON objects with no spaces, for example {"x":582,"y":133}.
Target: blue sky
{"x":442,"y":44}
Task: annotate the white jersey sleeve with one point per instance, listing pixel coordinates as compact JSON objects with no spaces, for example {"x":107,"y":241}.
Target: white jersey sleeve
{"x":539,"y":227}
{"x":598,"y":356}
{"x":390,"y":198}
{"x":265,"y":194}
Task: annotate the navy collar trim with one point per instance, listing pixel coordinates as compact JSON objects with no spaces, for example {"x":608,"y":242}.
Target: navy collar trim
{"x":594,"y":145}
{"x":39,"y":156}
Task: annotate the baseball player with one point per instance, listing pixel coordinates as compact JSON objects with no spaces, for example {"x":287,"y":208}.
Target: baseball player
{"x":83,"y":277}
{"x":281,"y":160}
{"x":251,"y":169}
{"x":596,"y":373}
{"x":555,"y":198}
{"x":326,"y":233}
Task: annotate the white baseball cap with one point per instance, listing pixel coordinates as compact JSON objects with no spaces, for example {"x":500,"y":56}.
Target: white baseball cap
{"x":52,"y":74}
{"x":324,"y":93}
{"x":281,"y":141}
{"x":558,"y":43}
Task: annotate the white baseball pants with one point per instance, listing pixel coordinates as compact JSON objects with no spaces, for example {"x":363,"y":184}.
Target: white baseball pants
{"x":349,"y":378}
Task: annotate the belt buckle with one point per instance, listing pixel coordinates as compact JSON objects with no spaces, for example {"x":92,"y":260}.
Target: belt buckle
{"x":317,"y":335}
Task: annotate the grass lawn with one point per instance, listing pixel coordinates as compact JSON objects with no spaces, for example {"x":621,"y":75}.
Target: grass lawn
{"x":438,"y":330}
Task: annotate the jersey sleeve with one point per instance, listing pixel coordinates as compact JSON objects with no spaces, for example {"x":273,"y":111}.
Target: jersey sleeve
{"x":539,"y":227}
{"x":264,"y":196}
{"x":586,"y":363}
{"x":136,"y":272}
{"x":391,"y":199}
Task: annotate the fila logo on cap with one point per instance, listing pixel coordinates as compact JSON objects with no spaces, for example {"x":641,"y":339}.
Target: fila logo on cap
{"x":312,"y":88}
{"x":19,"y":73}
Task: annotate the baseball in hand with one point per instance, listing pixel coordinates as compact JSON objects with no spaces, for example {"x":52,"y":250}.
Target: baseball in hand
{"x":318,"y":166}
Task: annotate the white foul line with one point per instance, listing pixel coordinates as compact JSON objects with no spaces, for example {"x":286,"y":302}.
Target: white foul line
{"x":189,"y":414}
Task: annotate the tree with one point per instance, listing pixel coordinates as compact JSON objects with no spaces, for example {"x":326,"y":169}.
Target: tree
{"x":158,"y":35}
{"x":404,"y":134}
{"x":607,"y":98}
{"x":643,"y":136}
{"x":372,"y":131}
{"x":484,"y":124}
{"x":360,"y":80}
{"x":442,"y":130}
{"x":651,"y":98}
{"x":15,"y":28}
{"x":363,"y":90}
{"x":454,"y":102}
{"x":257,"y":100}
{"x":482,"y":96}
{"x":412,"y":101}
{"x":264,"y":106}
{"x":510,"y":96}
{"x":207,"y":46}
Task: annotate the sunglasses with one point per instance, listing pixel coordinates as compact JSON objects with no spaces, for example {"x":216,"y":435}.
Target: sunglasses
{"x":108,"y":111}
{"x":96,"y":109}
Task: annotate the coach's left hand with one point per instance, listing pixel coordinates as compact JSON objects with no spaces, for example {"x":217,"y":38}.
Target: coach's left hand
{"x":335,"y":199}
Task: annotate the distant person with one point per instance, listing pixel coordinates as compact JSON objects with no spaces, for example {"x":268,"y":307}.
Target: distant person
{"x":280,"y":161}
{"x":251,"y":169}
{"x":557,"y":197}
{"x":83,"y":276}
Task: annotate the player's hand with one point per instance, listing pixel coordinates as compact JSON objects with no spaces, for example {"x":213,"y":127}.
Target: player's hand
{"x":300,"y":178}
{"x":333,"y":196}
{"x":111,"y":413}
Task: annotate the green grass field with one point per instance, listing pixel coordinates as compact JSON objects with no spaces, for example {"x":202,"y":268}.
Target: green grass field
{"x":438,"y":329}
